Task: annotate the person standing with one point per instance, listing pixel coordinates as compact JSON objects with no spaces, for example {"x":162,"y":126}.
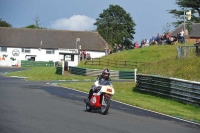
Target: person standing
{"x":106,"y":49}
{"x":115,"y":48}
{"x":182,"y":36}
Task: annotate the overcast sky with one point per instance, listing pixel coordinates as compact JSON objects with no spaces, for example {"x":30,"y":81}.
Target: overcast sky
{"x":149,"y":15}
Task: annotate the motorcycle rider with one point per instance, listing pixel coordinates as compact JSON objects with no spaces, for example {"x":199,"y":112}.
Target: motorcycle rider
{"x":104,"y":76}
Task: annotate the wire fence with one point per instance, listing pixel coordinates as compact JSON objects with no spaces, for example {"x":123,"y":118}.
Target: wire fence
{"x":188,"y":51}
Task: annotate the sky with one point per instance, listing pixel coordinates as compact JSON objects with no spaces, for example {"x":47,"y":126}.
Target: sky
{"x":150,"y":16}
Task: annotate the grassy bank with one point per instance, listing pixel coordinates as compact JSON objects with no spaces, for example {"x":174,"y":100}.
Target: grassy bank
{"x":159,"y":60}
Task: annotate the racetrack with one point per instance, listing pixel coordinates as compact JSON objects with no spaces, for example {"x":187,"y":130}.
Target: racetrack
{"x":38,"y":107}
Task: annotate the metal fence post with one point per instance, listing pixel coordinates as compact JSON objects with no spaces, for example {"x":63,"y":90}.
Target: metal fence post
{"x":63,"y":67}
{"x":135,"y":73}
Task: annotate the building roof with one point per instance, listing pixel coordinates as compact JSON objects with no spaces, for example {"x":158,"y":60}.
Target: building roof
{"x":195,"y":32}
{"x":54,"y":39}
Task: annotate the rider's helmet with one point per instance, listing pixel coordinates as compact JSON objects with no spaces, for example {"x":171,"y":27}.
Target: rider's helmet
{"x":106,"y":73}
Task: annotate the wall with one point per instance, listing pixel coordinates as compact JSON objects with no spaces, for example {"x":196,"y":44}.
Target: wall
{"x":96,"y":54}
{"x":192,"y":39}
{"x":40,"y":55}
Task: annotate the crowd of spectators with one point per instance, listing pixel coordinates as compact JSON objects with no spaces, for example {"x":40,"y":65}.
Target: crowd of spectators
{"x":160,"y":39}
{"x":84,"y":55}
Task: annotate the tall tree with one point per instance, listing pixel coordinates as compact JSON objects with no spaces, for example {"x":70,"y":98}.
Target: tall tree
{"x":36,"y":26}
{"x":166,"y":28}
{"x":4,"y":24}
{"x":193,"y":5}
{"x":115,"y":25}
{"x":31,"y":26}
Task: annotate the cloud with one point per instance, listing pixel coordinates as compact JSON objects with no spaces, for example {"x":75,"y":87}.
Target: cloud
{"x":76,"y":22}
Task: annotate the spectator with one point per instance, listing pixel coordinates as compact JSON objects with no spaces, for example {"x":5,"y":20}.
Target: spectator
{"x":152,"y":40}
{"x":88,"y":56}
{"x":182,"y":36}
{"x":197,"y":43}
{"x":106,"y":49}
{"x":136,"y":45}
{"x":120,"y":48}
{"x":167,"y":35}
{"x":158,"y":39}
{"x":163,"y":39}
{"x":143,"y":43}
{"x":81,"y":56}
{"x":110,"y":51}
{"x":84,"y":54}
{"x":146,"y":42}
{"x":115,"y":48}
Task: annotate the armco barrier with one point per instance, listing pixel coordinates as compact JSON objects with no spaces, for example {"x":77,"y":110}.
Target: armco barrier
{"x":95,"y":72}
{"x":59,"y":70}
{"x":77,"y":71}
{"x":178,"y":89}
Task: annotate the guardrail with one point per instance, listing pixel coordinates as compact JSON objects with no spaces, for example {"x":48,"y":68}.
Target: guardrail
{"x":178,"y":89}
{"x":59,"y":70}
{"x":96,"y":72}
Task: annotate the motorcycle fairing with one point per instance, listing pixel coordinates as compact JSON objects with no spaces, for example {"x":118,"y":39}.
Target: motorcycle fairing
{"x":95,"y":101}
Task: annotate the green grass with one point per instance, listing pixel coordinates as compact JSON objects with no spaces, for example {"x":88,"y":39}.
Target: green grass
{"x":45,"y":73}
{"x":160,"y":60}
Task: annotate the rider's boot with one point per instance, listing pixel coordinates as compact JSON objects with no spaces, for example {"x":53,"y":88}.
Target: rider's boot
{"x":90,"y":95}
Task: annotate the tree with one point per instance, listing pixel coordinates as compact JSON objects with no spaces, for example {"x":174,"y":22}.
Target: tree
{"x":166,"y":28}
{"x":36,"y":26}
{"x":31,"y":26}
{"x":4,"y":24}
{"x":115,"y":25}
{"x":193,"y":5}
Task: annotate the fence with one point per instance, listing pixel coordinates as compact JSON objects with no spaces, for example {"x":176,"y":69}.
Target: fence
{"x":9,"y":63}
{"x":184,"y":51}
{"x":96,"y":72}
{"x":181,"y":90}
{"x":36,"y":63}
{"x":5,"y":63}
{"x":112,"y":63}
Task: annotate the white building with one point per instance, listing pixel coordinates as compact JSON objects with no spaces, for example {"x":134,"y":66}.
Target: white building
{"x":48,"y":45}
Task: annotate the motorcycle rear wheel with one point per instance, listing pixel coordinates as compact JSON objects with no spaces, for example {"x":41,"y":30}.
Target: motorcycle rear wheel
{"x":105,"y":108}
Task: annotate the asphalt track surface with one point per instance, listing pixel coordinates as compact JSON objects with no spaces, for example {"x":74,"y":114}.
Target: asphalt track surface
{"x":38,"y":107}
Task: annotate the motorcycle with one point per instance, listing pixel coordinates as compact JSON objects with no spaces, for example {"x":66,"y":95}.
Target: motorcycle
{"x":101,"y":97}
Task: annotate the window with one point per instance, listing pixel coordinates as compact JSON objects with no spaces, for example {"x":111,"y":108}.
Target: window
{"x":49,"y":51}
{"x":26,"y":50}
{"x":68,"y":57}
{"x":3,"y":49}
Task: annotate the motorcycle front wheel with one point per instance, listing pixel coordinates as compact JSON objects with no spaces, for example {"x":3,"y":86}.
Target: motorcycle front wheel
{"x":105,"y":108}
{"x":88,"y":107}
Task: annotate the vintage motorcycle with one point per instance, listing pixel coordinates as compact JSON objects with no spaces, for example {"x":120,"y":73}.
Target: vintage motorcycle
{"x":101,"y":97}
